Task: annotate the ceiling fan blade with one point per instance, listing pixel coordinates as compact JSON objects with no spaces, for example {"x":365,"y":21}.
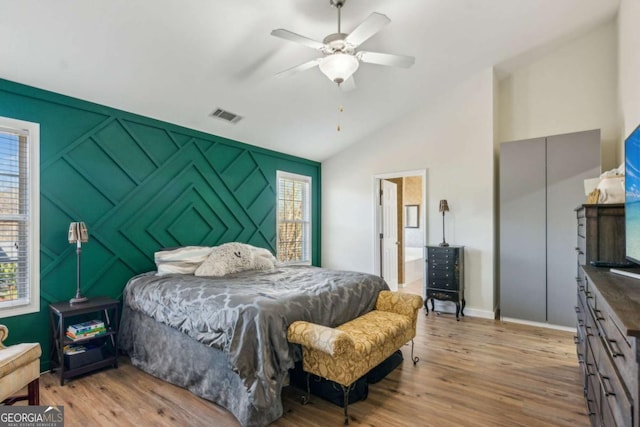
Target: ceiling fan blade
{"x":348,"y":85}
{"x":298,"y":68}
{"x":367,"y":28}
{"x":297,"y":38}
{"x":386,"y":59}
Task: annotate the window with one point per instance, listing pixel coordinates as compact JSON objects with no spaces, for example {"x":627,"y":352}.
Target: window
{"x":19,"y":217}
{"x":294,"y":218}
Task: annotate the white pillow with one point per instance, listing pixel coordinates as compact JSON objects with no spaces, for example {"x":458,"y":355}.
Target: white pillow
{"x":181,"y":260}
{"x":264,"y":255}
{"x":235,"y":257}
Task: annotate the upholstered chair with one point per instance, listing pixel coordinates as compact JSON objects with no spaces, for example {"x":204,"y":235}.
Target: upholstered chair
{"x":19,"y":368}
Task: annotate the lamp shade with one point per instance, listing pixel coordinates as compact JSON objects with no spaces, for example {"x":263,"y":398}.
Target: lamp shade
{"x":339,"y":66}
{"x":444,"y":206}
{"x":78,"y":232}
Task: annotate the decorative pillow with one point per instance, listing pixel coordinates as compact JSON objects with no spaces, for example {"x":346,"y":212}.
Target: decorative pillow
{"x":183,"y":260}
{"x":264,"y":257}
{"x":235,"y":257}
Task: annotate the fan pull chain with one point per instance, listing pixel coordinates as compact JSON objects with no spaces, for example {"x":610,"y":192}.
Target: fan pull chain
{"x":340,"y":110}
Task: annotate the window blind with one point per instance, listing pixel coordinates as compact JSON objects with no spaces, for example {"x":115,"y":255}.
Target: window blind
{"x":14,"y":217}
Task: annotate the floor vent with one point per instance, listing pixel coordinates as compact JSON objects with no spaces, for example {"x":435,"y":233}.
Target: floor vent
{"x":227,"y":116}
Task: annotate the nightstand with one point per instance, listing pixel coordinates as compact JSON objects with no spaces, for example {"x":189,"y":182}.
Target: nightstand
{"x":105,"y":346}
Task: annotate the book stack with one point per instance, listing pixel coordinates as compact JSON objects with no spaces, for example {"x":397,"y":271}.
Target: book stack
{"x":72,"y":349}
{"x":85,"y":330}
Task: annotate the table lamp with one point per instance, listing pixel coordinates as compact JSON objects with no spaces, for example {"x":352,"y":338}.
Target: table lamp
{"x":444,"y":207}
{"x":78,"y":234}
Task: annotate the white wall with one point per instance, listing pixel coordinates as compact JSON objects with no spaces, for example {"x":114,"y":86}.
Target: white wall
{"x":451,"y":137}
{"x":629,"y":67}
{"x":573,"y":88}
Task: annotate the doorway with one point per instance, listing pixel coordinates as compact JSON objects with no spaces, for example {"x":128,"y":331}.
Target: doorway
{"x":400,"y":228}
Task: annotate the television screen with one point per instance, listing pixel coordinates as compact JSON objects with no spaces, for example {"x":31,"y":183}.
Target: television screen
{"x":632,"y":195}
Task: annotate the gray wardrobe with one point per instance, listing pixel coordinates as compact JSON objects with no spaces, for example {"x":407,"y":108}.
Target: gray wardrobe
{"x":541,"y":183}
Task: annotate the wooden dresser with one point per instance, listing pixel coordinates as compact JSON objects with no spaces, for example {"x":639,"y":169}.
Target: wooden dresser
{"x":608,"y":314}
{"x":607,"y":345}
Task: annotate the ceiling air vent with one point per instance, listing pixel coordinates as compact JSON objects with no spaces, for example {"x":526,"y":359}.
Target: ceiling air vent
{"x":227,"y":116}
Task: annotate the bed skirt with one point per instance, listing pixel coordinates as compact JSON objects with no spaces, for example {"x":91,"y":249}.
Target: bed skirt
{"x":166,"y":353}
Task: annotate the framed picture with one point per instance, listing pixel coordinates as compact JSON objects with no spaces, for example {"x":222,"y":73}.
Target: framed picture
{"x":411,"y":216}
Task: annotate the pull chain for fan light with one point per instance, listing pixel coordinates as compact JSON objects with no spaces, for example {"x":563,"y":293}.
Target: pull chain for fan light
{"x":340,"y":110}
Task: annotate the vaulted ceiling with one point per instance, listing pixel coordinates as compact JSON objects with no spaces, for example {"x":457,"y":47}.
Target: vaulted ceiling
{"x":180,"y":60}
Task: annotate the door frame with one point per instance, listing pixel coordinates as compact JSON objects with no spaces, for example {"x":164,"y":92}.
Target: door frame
{"x":377,"y":210}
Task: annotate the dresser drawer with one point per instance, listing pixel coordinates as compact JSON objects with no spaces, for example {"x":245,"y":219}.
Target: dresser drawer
{"x":615,"y":344}
{"x":582,"y":226}
{"x":442,"y":257}
{"x":582,"y":300}
{"x":442,"y":260}
{"x":444,"y":286}
{"x":582,"y":258}
{"x":441,"y":277}
{"x":581,"y":348}
{"x":442,"y":268}
{"x":614,"y":395}
{"x":591,"y":386}
{"x":443,"y":295}
{"x":591,"y":331}
{"x":441,"y":251}
{"x":442,"y":274}
{"x":589,"y":293}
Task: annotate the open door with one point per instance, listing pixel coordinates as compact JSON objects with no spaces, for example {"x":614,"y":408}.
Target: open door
{"x":389,"y":265}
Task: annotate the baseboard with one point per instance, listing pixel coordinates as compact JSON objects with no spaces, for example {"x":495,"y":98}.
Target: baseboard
{"x":483,"y":314}
{"x":539,"y":324}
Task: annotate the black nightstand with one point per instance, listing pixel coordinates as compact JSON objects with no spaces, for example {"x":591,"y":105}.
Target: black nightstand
{"x":105,"y":352}
{"x":445,"y":277}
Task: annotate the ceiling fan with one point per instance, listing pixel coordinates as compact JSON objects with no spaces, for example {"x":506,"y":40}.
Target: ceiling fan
{"x":341,"y":59}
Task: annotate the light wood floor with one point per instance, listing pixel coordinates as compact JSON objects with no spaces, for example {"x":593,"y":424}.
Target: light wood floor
{"x":475,"y":372}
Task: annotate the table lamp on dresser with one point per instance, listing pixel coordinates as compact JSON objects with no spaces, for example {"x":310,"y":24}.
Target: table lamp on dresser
{"x":444,"y":207}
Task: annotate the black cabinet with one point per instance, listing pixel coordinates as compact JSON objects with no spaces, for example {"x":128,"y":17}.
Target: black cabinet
{"x":445,"y":277}
{"x":104,"y":350}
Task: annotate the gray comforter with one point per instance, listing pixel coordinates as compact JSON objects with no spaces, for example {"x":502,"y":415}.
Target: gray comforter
{"x":246,"y":315}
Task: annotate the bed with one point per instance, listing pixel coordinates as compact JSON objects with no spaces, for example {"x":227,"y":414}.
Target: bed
{"x":224,"y":338}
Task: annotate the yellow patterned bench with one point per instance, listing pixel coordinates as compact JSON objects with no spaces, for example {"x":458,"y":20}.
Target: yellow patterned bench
{"x":346,"y":353}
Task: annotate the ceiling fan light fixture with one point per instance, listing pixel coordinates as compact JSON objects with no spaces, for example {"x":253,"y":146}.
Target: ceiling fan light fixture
{"x":339,"y":66}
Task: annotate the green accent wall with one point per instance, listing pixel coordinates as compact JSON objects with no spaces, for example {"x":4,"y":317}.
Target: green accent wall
{"x":139,"y":184}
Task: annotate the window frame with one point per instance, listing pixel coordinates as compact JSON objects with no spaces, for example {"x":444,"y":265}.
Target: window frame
{"x":307,"y":245}
{"x":30,"y":304}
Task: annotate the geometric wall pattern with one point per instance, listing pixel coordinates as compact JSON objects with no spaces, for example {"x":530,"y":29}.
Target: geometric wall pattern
{"x":140,"y":185}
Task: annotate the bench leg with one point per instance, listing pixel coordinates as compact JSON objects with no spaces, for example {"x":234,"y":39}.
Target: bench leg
{"x":307,"y":397}
{"x":345,"y":390}
{"x":33,"y":390}
{"x":414,"y":359}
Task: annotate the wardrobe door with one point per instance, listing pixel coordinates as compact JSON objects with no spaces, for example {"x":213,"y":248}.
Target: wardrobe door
{"x":571,"y":159}
{"x":522,"y":230}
